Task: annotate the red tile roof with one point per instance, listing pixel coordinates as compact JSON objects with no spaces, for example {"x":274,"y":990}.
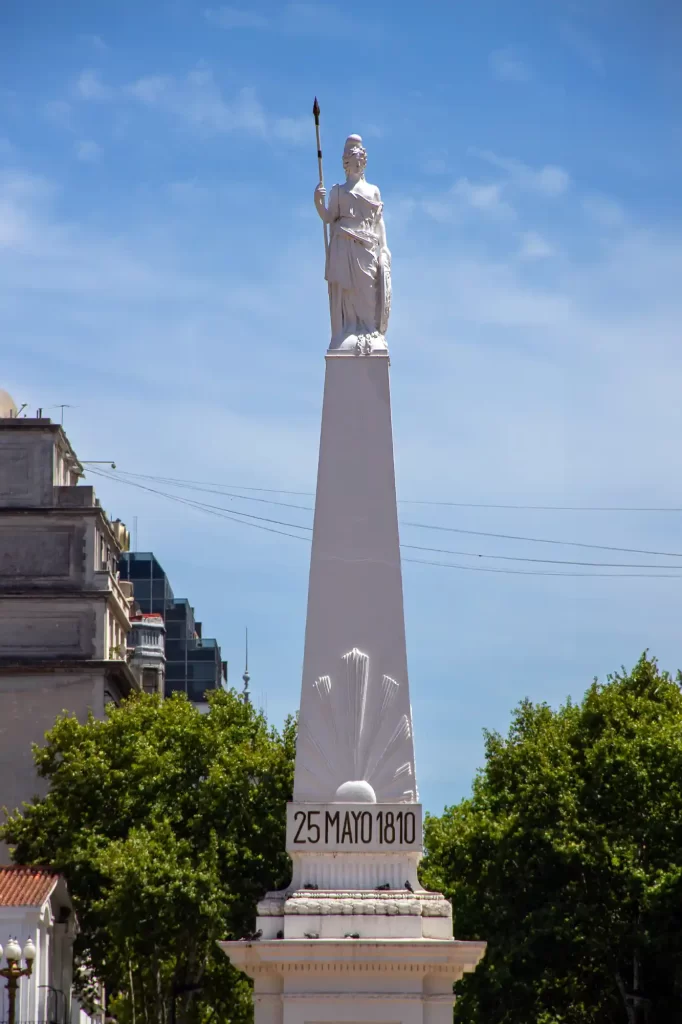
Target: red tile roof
{"x":25,"y":887}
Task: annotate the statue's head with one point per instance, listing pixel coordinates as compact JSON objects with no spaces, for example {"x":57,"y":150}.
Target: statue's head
{"x":354,"y":155}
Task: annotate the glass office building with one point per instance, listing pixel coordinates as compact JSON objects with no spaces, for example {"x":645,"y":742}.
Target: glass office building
{"x":193,"y":662}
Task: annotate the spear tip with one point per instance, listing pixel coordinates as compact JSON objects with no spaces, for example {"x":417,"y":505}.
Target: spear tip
{"x":316,"y":108}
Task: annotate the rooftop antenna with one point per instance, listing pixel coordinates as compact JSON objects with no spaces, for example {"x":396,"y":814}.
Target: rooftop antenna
{"x":63,"y":406}
{"x":134,"y":533}
{"x":246,"y":697}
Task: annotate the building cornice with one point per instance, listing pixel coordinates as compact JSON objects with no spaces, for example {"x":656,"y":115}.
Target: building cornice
{"x":450,"y":957}
{"x":63,"y":511}
{"x":117,"y":670}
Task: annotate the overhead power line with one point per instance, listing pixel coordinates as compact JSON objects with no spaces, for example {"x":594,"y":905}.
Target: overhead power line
{"x":246,"y":518}
{"x":544,"y":540}
{"x":545,"y":561}
{"x":549,"y":572}
{"x":457,"y":529}
{"x":180,"y":482}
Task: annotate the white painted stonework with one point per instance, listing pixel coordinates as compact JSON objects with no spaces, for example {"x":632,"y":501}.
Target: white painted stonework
{"x":354,"y":937}
{"x":355,"y":742}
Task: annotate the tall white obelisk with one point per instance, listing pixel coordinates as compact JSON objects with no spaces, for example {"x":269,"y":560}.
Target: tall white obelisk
{"x":355,"y":937}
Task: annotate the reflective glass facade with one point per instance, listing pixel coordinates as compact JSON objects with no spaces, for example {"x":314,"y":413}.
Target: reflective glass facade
{"x":193,"y":663}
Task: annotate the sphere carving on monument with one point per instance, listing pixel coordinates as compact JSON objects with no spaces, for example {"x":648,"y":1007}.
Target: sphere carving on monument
{"x":358,"y":260}
{"x":355,"y":740}
{"x":355,"y":792}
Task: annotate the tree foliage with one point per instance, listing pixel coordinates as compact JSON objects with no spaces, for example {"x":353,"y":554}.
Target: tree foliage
{"x":567,"y":858}
{"x":168,"y":826}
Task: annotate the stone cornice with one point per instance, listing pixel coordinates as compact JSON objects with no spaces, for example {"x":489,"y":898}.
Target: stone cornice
{"x":367,"y":902}
{"x":449,"y":957}
{"x":115,"y":669}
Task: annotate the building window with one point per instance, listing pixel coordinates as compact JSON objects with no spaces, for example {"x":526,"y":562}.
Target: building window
{"x":150,"y":680}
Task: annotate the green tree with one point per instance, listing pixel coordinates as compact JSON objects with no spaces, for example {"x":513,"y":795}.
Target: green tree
{"x":567,"y":858}
{"x":168,"y":826}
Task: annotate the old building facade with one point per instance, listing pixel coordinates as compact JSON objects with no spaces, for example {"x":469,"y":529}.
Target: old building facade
{"x":64,"y":614}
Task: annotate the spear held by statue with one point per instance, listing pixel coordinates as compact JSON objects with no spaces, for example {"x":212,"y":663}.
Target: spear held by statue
{"x":316,"y":115}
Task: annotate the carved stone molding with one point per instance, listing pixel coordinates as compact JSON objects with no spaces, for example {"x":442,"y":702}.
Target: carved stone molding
{"x":360,"y":997}
{"x":356,"y":734}
{"x":276,"y":967}
{"x":367,"y":903}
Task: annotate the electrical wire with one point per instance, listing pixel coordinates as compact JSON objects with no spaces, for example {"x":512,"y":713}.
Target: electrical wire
{"x":548,"y":572}
{"x":545,"y":561}
{"x":544,"y":540}
{"x":211,"y":509}
{"x":245,"y":518}
{"x":414,"y":501}
{"x":457,"y":529}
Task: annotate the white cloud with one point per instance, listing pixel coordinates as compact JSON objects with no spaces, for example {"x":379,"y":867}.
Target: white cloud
{"x":583,"y":45}
{"x":14,"y":226}
{"x":232,"y":17}
{"x":95,"y":41}
{"x":59,"y":113}
{"x":508,"y":67}
{"x":197,"y":100}
{"x":21,"y":196}
{"x":549,"y":180}
{"x":434,"y":165}
{"x":484,"y":197}
{"x":292,"y":129}
{"x":88,"y":151}
{"x":89,"y":86}
{"x":150,"y":89}
{"x":293,"y":19}
{"x":604,"y":211}
{"x":534,"y":246}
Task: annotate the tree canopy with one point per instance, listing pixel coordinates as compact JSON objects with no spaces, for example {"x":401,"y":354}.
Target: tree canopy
{"x":168,"y":826}
{"x":567,"y":858}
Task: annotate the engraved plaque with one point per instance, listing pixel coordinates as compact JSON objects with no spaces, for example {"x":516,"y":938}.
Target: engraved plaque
{"x":363,"y":828}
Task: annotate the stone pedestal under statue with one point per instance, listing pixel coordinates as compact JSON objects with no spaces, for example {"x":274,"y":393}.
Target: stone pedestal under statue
{"x":354,"y":937}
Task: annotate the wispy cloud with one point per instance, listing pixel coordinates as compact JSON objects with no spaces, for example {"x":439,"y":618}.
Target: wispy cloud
{"x":151,"y":89}
{"x":435,"y":165}
{"x":583,"y":45}
{"x":59,"y":113}
{"x":484,"y":197}
{"x":298,"y":18}
{"x":234,"y":18}
{"x":95,"y":41}
{"x":507,"y":66}
{"x":534,"y":246}
{"x":89,"y":86}
{"x":198,"y":101}
{"x":21,"y":198}
{"x":549,"y":180}
{"x":88,"y":151}
{"x":462,"y":198}
{"x":604,"y":211}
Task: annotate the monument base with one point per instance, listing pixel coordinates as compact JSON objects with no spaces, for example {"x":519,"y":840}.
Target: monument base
{"x":346,"y":981}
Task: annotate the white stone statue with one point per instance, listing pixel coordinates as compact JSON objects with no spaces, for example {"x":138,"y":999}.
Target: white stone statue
{"x":358,"y":268}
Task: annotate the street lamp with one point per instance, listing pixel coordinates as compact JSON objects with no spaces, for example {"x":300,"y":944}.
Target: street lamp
{"x":13,"y":971}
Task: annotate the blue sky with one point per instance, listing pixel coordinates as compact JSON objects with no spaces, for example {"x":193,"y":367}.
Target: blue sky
{"x":161,"y":272}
